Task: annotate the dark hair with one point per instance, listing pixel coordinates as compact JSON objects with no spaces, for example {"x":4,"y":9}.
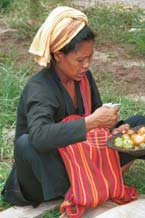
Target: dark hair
{"x":85,"y":34}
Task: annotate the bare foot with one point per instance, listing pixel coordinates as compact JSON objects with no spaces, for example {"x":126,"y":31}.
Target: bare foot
{"x":125,"y":167}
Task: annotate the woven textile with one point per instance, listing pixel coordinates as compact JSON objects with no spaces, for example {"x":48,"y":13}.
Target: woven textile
{"x":94,"y":169}
{"x":95,"y":174}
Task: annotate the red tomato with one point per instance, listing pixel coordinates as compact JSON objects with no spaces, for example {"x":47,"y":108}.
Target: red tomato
{"x":130,"y":132}
{"x":141,"y":130}
{"x":137,"y":139}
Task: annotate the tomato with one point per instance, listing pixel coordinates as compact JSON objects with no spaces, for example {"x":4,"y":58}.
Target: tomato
{"x":125,"y":135}
{"x":118,"y":142}
{"x":141,"y":130}
{"x":128,"y":146}
{"x":130,"y":132}
{"x":128,"y":143}
{"x":142,"y":145}
{"x":137,"y":139}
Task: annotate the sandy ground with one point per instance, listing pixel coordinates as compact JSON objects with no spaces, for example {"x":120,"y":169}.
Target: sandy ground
{"x":130,"y":71}
{"x":108,"y":58}
{"x":86,"y":3}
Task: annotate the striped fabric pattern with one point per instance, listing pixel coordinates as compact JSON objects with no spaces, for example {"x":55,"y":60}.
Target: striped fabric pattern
{"x":86,"y":95}
{"x":95,"y":174}
{"x":93,"y":169}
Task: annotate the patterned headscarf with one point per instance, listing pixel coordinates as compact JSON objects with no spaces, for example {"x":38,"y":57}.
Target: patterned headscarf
{"x":61,"y":26}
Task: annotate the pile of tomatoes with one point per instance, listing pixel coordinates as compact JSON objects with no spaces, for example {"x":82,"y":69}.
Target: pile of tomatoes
{"x":131,"y":139}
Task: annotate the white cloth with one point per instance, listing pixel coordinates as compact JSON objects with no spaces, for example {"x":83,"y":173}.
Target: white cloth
{"x":61,"y":26}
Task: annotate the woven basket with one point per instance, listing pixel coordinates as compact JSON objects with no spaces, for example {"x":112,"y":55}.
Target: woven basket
{"x":134,"y":152}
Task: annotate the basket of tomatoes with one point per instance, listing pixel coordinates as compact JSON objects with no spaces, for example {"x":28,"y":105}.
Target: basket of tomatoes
{"x":132,"y":141}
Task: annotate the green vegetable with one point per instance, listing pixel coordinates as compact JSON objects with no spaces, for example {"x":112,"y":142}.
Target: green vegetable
{"x":142,"y":145}
{"x":118,"y":142}
{"x":127,"y":143}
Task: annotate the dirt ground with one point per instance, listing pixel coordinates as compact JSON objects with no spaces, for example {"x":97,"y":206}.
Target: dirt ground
{"x":130,"y":71}
{"x":127,"y":70}
{"x":87,"y":3}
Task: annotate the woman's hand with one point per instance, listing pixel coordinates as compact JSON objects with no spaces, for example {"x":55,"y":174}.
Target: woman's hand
{"x":121,"y":129}
{"x":104,"y":116}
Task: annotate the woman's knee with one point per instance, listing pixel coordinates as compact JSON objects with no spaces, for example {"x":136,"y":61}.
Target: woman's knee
{"x":23,"y":148}
{"x":136,"y":120}
{"x":21,"y":143}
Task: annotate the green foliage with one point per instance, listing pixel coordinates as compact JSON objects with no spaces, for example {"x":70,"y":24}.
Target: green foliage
{"x":53,"y":214}
{"x":9,"y":94}
{"x":135,"y":176}
{"x":111,"y":24}
{"x":11,"y":84}
{"x":27,"y":16}
{"x":10,"y":88}
{"x":138,"y":39}
{"x":4,"y":171}
{"x":114,"y":25}
{"x":4,"y":3}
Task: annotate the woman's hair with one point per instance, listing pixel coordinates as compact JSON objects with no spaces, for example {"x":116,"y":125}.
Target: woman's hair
{"x":85,"y":34}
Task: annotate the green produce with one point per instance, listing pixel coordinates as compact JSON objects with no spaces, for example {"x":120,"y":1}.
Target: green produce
{"x":118,"y":142}
{"x":127,"y":143}
{"x":142,"y":145}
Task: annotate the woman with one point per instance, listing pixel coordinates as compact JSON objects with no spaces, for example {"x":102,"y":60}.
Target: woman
{"x":64,"y":46}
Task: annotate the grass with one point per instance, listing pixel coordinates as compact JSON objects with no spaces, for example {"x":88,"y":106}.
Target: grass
{"x":52,"y":214}
{"x":113,"y":92}
{"x":135,"y":176}
{"x":11,"y":84}
{"x":111,"y":25}
{"x":4,"y":4}
{"x":5,"y":168}
{"x":115,"y":24}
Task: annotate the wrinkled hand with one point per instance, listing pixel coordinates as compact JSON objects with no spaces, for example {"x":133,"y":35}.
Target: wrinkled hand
{"x":121,"y":129}
{"x":104,"y":116}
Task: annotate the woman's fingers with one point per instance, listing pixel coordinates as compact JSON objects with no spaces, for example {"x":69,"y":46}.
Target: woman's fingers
{"x":107,"y":116}
{"x":121,"y":129}
{"x":104,"y":116}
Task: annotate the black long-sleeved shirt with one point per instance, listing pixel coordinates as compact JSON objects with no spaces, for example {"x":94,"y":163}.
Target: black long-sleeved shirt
{"x":44,"y":103}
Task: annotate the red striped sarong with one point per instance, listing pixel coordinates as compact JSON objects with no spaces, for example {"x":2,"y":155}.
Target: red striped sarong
{"x":94,"y":172}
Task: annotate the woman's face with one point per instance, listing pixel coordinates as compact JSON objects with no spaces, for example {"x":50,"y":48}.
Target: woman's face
{"x":75,"y":64}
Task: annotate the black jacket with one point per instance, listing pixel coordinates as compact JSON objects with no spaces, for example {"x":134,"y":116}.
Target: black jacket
{"x":43,"y":104}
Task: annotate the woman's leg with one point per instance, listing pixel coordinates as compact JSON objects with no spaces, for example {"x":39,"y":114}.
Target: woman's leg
{"x":136,"y":120}
{"x":125,"y":167}
{"x":42,"y":176}
{"x":27,"y":161}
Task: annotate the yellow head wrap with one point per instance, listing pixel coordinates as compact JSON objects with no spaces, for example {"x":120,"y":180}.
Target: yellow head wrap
{"x":61,"y":26}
